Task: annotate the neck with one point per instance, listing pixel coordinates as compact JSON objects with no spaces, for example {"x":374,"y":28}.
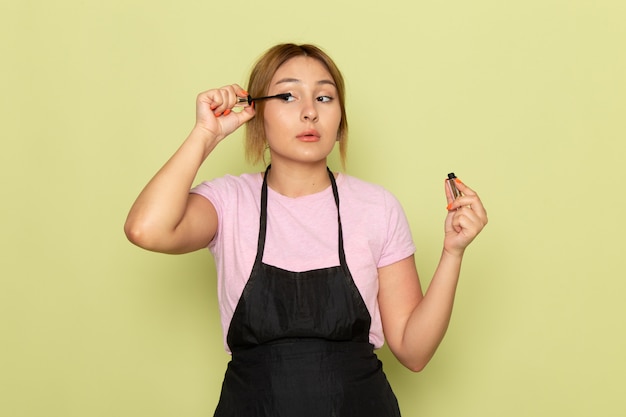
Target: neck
{"x":297,"y":181}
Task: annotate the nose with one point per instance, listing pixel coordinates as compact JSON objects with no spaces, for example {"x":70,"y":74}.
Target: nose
{"x":309,"y":111}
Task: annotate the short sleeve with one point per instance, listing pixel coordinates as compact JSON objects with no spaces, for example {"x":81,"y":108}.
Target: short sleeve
{"x":399,"y":240}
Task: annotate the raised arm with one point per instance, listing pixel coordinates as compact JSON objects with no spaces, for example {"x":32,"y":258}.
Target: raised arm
{"x":415,"y":324}
{"x":165,"y":216}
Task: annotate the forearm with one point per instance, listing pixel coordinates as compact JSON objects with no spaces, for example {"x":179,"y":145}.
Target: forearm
{"x":415,"y":324}
{"x":429,"y":321}
{"x":161,"y":205}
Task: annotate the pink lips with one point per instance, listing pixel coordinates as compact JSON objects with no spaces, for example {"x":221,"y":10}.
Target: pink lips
{"x":309,"y":136}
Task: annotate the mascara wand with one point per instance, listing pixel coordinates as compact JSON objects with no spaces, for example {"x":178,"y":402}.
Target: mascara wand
{"x":250,"y":99}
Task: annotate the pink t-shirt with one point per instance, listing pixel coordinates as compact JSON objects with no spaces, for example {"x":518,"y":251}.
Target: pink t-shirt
{"x":302,"y":234}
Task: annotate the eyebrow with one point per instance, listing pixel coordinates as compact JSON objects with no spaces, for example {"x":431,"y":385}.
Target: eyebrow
{"x":295,"y":80}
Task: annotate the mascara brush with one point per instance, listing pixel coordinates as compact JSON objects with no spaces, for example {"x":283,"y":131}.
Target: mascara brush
{"x":248,"y":100}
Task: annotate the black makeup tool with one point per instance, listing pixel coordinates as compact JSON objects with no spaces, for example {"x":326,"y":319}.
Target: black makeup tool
{"x":248,"y":100}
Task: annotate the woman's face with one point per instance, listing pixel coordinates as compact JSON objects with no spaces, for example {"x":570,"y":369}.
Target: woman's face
{"x":302,"y":128}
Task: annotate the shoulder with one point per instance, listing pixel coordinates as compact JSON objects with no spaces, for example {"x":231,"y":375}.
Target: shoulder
{"x":365,"y":192}
{"x":373,"y":207}
{"x":345,"y":181}
{"x":375,"y":221}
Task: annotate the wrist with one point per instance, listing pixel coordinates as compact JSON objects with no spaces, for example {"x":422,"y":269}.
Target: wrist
{"x":453,"y":254}
{"x":204,"y":139}
{"x":207,"y":135}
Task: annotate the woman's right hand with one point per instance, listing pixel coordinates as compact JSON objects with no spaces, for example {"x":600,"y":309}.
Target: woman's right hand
{"x":214,"y":113}
{"x":165,"y":217}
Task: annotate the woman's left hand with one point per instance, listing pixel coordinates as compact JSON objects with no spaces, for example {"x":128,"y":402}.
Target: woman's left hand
{"x":466,"y":218}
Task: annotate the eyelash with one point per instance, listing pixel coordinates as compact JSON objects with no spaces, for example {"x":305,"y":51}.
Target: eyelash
{"x":322,"y":99}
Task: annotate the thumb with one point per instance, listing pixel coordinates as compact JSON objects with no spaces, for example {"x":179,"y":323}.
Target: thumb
{"x":246,"y":114}
{"x":231,"y":121}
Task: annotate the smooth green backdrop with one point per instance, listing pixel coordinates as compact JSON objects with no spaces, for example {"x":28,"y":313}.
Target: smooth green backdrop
{"x":525,"y":101}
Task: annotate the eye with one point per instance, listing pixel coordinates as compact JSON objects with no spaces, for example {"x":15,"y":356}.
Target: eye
{"x":287,"y":97}
{"x":324,"y":99}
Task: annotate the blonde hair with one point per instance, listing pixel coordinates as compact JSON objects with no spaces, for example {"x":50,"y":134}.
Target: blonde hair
{"x":258,"y":86}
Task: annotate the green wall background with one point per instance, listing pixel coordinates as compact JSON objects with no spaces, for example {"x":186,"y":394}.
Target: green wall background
{"x":525,"y":101}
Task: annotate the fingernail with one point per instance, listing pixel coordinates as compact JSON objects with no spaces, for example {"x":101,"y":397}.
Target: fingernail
{"x":245,"y":92}
{"x":226,"y":112}
{"x":458,"y":181}
{"x":449,"y":206}
{"x":218,"y":114}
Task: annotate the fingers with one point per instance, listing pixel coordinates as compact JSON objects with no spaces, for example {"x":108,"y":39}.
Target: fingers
{"x":468,"y":204}
{"x":214,"y":110}
{"x":222,"y":100}
{"x":466,"y":218}
{"x":463,"y":224}
{"x":463,"y":188}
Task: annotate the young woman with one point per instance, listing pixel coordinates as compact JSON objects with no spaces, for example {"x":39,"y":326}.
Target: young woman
{"x":314,"y":267}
